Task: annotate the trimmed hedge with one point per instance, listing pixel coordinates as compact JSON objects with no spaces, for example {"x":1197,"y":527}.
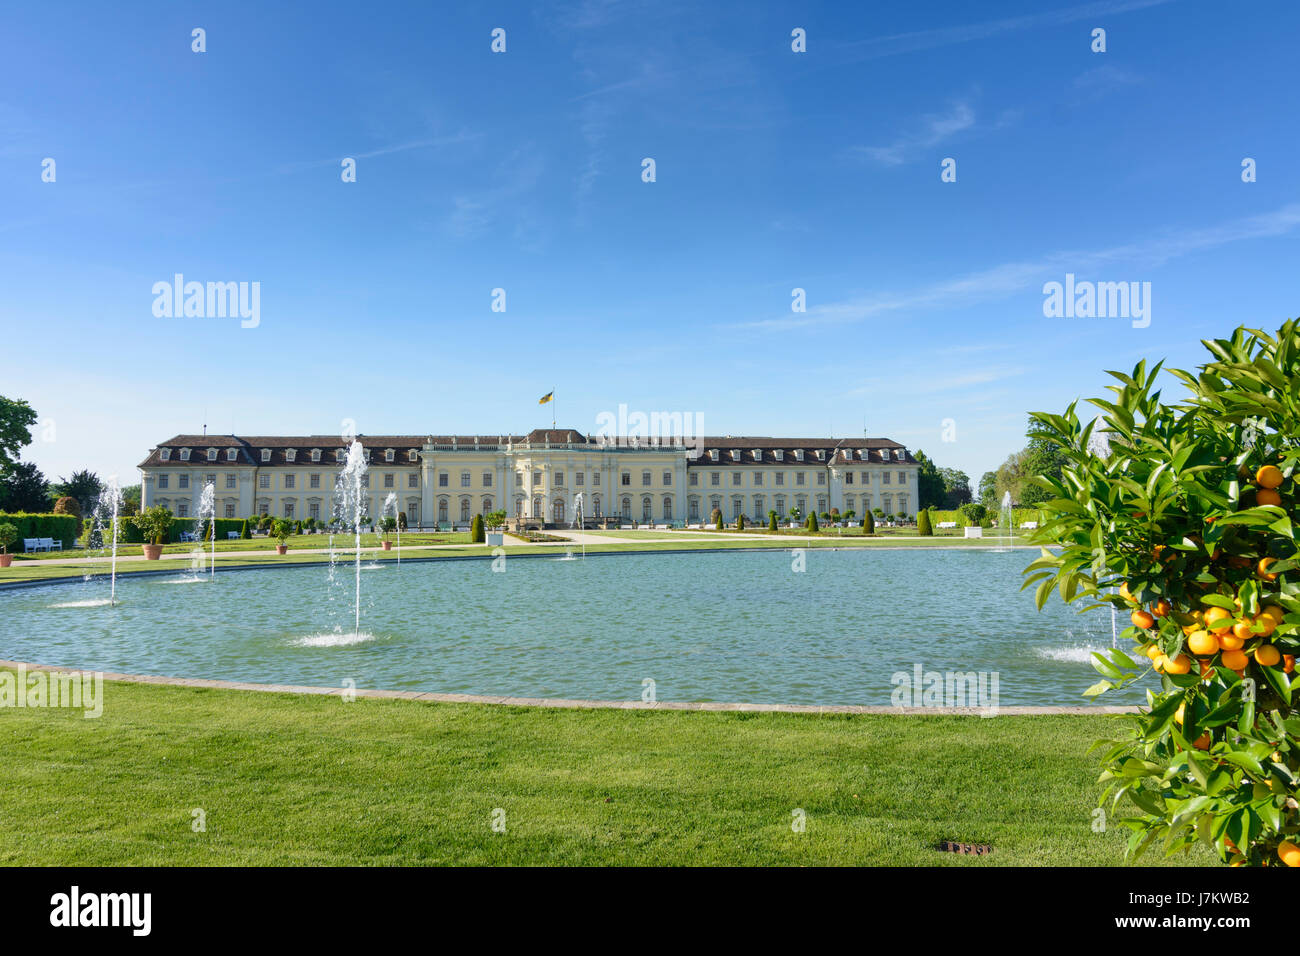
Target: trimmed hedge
{"x":32,"y":525}
{"x":128,"y":533}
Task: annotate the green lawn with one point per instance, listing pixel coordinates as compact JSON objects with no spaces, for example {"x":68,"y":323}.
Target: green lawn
{"x":301,"y":779}
{"x":260,"y":544}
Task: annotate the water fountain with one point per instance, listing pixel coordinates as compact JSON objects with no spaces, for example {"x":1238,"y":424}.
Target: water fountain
{"x":1005,"y":519}
{"x":577,"y":522}
{"x":111,"y":508}
{"x":390,"y":507}
{"x":349,"y":506}
{"x":206,"y":510}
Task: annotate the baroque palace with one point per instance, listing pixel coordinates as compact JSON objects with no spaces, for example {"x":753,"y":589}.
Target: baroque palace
{"x":447,"y":479}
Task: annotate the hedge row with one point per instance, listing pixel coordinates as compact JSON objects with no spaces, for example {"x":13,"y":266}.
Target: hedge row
{"x":128,"y":533}
{"x":1018,"y":516}
{"x":29,"y":525}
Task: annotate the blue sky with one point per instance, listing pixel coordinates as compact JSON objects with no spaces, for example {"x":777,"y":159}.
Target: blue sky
{"x":522,"y":171}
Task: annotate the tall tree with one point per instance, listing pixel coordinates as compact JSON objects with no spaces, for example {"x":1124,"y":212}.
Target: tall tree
{"x":930,"y":487}
{"x":16,"y":418}
{"x":24,"y":488}
{"x":988,"y":492}
{"x":1041,"y":457}
{"x":956,"y":487}
{"x":85,"y":486}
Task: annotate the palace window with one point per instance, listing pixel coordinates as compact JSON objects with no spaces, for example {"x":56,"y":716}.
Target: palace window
{"x":164,"y":454}
{"x":212,"y":454}
{"x":314,"y":480}
{"x":388,"y":454}
{"x":288,"y":509}
{"x":288,"y":481}
{"x":580,"y":477}
{"x":266,"y":454}
{"x":693,"y":479}
{"x":645,"y":509}
{"x":230,"y":509}
{"x":412,"y":455}
{"x":668,"y":478}
{"x":388,"y":479}
{"x":866,"y":477}
{"x":798,"y":454}
{"x":464,"y":479}
{"x":821,"y":477}
{"x":715,"y":478}
{"x":668,"y":508}
{"x":264,"y":481}
{"x":884,"y":477}
{"x":290,"y":454}
{"x":780,"y":478}
{"x":645,"y":479}
{"x":595,"y":477}
{"x":713,"y":454}
{"x":519,"y":479}
{"x":559,"y":479}
{"x":780,"y":455}
{"x":184,"y":481}
{"x":210,"y":480}
{"x":442,"y":479}
{"x":902,"y":502}
{"x":735,"y":478}
{"x":413,"y":480}
{"x":798,"y":477}
{"x":758,"y":479}
{"x":848,"y":477}
{"x":537,"y":483}
{"x":183,"y":509}
{"x":340,"y":455}
{"x":365,"y":481}
{"x":626,"y":478}
{"x":902,"y":477}
{"x":313,"y":510}
{"x":162,"y":481}
{"x":185,"y":454}
{"x":232,"y":481}
{"x":693,"y":509}
{"x":315,"y":454}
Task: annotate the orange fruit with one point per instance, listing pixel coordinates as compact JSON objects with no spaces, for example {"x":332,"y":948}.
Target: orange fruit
{"x":1158,"y":663}
{"x":1269,"y":476}
{"x":1230,"y":642}
{"x":1207,"y":670}
{"x":1203,"y":741}
{"x":1275,"y":612}
{"x":1267,"y":654}
{"x":1266,"y":497}
{"x":1265,"y":624}
{"x":1235,"y":660}
{"x":1162,"y":608}
{"x":1178,"y":665}
{"x":1215,"y":614}
{"x":1152,"y":651}
{"x":1125,"y":593}
{"x":1203,"y":643}
{"x":1288,"y":663}
{"x":1142,"y":619}
{"x":1263,"y":566}
{"x":1178,"y":716}
{"x":1288,"y":853}
{"x":1243,"y":630}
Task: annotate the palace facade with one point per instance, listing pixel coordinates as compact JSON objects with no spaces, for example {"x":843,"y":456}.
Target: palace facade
{"x":447,"y":479}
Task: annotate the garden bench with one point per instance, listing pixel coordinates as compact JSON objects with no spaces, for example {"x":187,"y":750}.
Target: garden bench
{"x":31,"y":544}
{"x":231,"y":535}
{"x":50,"y":544}
{"x":1029,"y":525}
{"x":947,"y":524}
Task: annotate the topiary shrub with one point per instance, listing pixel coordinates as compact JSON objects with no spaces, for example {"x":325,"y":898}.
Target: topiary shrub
{"x":740,"y":522}
{"x":923,"y":526}
{"x":812,"y":521}
{"x":68,"y":505}
{"x":1188,"y":510}
{"x":476,"y":533}
{"x":771,"y":521}
{"x":716,"y":515}
{"x":244,"y":532}
{"x":868,"y":523}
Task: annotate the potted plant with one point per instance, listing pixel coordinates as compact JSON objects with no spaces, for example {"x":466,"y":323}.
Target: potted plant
{"x":8,"y":535}
{"x":280,"y":530}
{"x":389,"y":526}
{"x":155,"y":523}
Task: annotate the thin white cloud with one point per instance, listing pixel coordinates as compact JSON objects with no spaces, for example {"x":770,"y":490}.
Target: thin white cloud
{"x":934,"y":130}
{"x":1012,"y":277}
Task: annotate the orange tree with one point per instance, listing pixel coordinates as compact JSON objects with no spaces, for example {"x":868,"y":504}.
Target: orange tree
{"x":1181,"y":515}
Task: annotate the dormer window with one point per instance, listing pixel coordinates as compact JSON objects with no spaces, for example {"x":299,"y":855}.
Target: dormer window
{"x":780,"y":455}
{"x":798,"y":454}
{"x":185,"y":454}
{"x":212,"y":454}
{"x":735,"y":454}
{"x":232,"y":454}
{"x":315,"y":454}
{"x":290,"y":454}
{"x":864,"y":454}
{"x":758,"y":454}
{"x":848,"y":454}
{"x":821,"y":454}
{"x":266,"y":454}
{"x":339,"y":454}
{"x":165,"y":454}
{"x":412,"y":456}
{"x":713,"y":454}
{"x":388,"y":454}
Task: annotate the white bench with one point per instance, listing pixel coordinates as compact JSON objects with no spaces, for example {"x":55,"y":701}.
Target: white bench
{"x":946,"y":524}
{"x":52,"y":544}
{"x":31,"y":544}
{"x":230,"y":535}
{"x":1029,"y":525}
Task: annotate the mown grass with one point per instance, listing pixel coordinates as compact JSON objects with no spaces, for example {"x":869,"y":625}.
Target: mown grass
{"x":301,"y":779}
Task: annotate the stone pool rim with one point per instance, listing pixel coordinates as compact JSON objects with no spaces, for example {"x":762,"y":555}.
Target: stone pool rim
{"x":579,"y":704}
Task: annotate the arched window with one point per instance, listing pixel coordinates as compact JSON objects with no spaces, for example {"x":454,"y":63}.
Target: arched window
{"x":668,"y":507}
{"x":537,"y":508}
{"x":693,"y":509}
{"x":487,"y":504}
{"x":557,"y":511}
{"x":737,"y":507}
{"x":442,"y":510}
{"x":627,"y":507}
{"x":595,"y":504}
{"x":645,"y":507}
{"x":464,"y":509}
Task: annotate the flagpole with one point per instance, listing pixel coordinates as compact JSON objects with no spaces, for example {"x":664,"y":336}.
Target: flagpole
{"x":552,"y":407}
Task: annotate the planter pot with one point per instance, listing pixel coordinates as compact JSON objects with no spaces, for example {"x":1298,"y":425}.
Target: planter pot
{"x":281,"y":549}
{"x":6,"y":560}
{"x":388,"y":546}
{"x":152,"y":552}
